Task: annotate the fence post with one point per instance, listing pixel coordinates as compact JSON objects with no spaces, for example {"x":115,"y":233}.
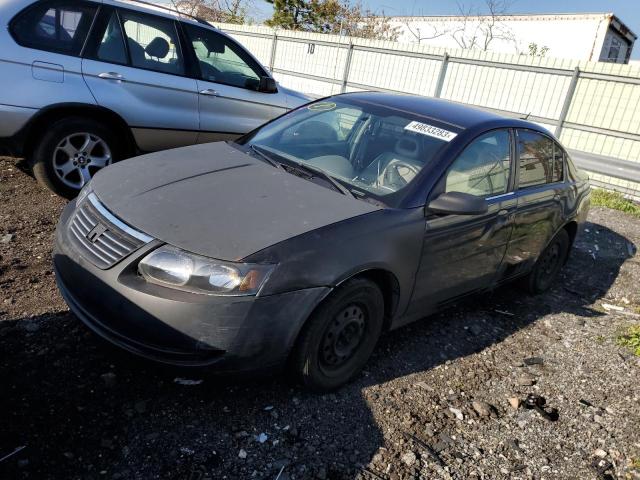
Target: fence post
{"x":441,"y":75}
{"x":567,"y":101}
{"x":347,"y":66}
{"x":274,"y":42}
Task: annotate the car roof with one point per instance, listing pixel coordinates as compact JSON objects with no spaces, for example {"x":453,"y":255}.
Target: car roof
{"x":452,"y":113}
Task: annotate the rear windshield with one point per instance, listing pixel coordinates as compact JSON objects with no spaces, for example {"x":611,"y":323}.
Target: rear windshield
{"x":373,"y":148}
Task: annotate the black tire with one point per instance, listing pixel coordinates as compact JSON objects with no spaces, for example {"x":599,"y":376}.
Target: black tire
{"x":42,"y":160}
{"x":548,"y":265}
{"x":330,"y":350}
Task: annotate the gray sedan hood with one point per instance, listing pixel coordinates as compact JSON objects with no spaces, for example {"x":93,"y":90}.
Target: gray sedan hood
{"x":217,"y":201}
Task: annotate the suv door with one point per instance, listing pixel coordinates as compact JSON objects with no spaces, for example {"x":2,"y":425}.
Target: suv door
{"x":228,"y":81}
{"x":463,"y":253}
{"x":135,"y":67}
{"x":540,"y":194}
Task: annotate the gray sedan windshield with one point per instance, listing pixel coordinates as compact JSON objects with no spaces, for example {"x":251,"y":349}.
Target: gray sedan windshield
{"x":374,"y":148}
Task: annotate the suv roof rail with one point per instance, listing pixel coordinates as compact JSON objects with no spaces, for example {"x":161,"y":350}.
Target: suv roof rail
{"x":172,"y":10}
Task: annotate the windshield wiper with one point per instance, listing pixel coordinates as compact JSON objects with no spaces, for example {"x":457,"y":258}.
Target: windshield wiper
{"x":265,"y":157}
{"x":304,"y":168}
{"x":317,"y":172}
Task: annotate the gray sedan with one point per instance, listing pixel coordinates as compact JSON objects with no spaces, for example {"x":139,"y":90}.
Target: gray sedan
{"x":304,"y":241}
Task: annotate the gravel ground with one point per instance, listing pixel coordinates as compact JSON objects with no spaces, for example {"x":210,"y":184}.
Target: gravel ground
{"x":435,"y":400}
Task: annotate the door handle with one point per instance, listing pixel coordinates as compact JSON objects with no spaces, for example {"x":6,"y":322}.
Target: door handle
{"x":209,"y":92}
{"x":110,"y":76}
{"x":504,"y":212}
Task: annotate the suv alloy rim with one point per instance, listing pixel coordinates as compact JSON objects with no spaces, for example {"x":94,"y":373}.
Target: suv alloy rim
{"x":78,"y":156}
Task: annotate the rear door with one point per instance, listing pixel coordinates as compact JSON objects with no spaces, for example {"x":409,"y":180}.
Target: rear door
{"x":136,"y":68}
{"x":540,"y":195}
{"x":228,"y":79}
{"x":464,"y":253}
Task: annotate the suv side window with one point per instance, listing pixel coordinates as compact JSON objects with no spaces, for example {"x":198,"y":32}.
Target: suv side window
{"x":221,"y":60}
{"x":111,"y":48}
{"x":59,"y":26}
{"x":541,"y":159}
{"x":482,"y":169}
{"x":152,"y":42}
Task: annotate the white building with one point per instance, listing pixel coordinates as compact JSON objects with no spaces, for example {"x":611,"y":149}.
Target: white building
{"x":582,"y":36}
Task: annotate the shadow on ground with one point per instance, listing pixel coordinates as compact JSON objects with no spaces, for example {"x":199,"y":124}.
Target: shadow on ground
{"x":86,"y":410}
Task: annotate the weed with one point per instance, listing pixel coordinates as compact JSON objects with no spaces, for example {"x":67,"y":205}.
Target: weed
{"x":631,"y":339}
{"x":614,"y":200}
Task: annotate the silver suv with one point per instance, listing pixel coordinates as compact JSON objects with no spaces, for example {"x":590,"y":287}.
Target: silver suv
{"x":86,"y":83}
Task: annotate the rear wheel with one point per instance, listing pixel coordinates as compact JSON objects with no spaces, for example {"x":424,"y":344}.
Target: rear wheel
{"x":340,"y":336}
{"x":68,"y":155}
{"x":549,"y":264}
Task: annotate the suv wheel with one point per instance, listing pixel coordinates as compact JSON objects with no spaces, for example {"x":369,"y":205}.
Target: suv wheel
{"x":340,"y":336}
{"x":71,"y":152}
{"x":549,"y":264}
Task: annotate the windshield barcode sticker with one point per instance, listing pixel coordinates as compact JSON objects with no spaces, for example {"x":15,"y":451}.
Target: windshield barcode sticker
{"x":431,"y":131}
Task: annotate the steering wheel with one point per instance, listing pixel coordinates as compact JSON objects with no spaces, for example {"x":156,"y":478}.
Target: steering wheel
{"x":397,"y":174}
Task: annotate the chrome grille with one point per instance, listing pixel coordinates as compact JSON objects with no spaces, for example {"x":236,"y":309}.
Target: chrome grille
{"x":100,"y":237}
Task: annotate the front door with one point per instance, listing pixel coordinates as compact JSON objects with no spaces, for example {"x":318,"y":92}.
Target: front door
{"x":229,"y":101}
{"x":464,"y":253}
{"x":136,"y":69}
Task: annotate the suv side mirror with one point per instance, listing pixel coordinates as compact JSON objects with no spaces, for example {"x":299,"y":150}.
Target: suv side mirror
{"x":458,"y":203}
{"x":267,"y":85}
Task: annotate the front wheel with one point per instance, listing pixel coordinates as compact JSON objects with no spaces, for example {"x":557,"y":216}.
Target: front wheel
{"x":71,"y":152}
{"x":340,"y":336}
{"x":549,"y":264}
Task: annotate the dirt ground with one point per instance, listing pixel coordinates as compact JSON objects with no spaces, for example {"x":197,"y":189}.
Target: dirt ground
{"x":433,"y":402}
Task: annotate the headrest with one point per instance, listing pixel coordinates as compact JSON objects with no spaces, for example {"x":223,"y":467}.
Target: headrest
{"x":158,"y":48}
{"x":407,"y":147}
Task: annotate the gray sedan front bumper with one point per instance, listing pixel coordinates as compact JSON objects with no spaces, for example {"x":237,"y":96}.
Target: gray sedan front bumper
{"x":175,"y":327}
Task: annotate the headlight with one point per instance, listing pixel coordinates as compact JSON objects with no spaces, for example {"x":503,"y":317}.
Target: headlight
{"x":175,"y":268}
{"x":84,"y":193}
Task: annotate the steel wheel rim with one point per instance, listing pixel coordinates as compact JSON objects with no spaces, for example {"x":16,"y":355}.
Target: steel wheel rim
{"x":343,"y":337}
{"x":549,"y":264}
{"x":550,"y":259}
{"x":78,"y":156}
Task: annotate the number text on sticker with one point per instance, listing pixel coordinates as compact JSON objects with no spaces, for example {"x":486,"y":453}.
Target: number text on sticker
{"x":431,"y":131}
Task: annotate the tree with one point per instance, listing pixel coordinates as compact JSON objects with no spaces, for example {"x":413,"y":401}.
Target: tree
{"x":420,"y":35}
{"x":293,"y":14}
{"x":223,"y":11}
{"x":479,"y":31}
{"x":331,"y":16}
{"x":536,"y":50}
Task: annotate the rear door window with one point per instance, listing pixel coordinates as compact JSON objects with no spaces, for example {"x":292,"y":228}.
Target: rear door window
{"x":152,"y":42}
{"x":541,"y":160}
{"x":111,"y":48}
{"x":55,"y":26}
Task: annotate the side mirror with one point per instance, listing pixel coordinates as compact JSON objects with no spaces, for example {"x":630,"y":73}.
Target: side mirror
{"x":267,"y":85}
{"x":458,"y":203}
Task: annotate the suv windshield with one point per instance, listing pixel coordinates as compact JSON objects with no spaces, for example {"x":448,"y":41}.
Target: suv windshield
{"x":377,"y":149}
